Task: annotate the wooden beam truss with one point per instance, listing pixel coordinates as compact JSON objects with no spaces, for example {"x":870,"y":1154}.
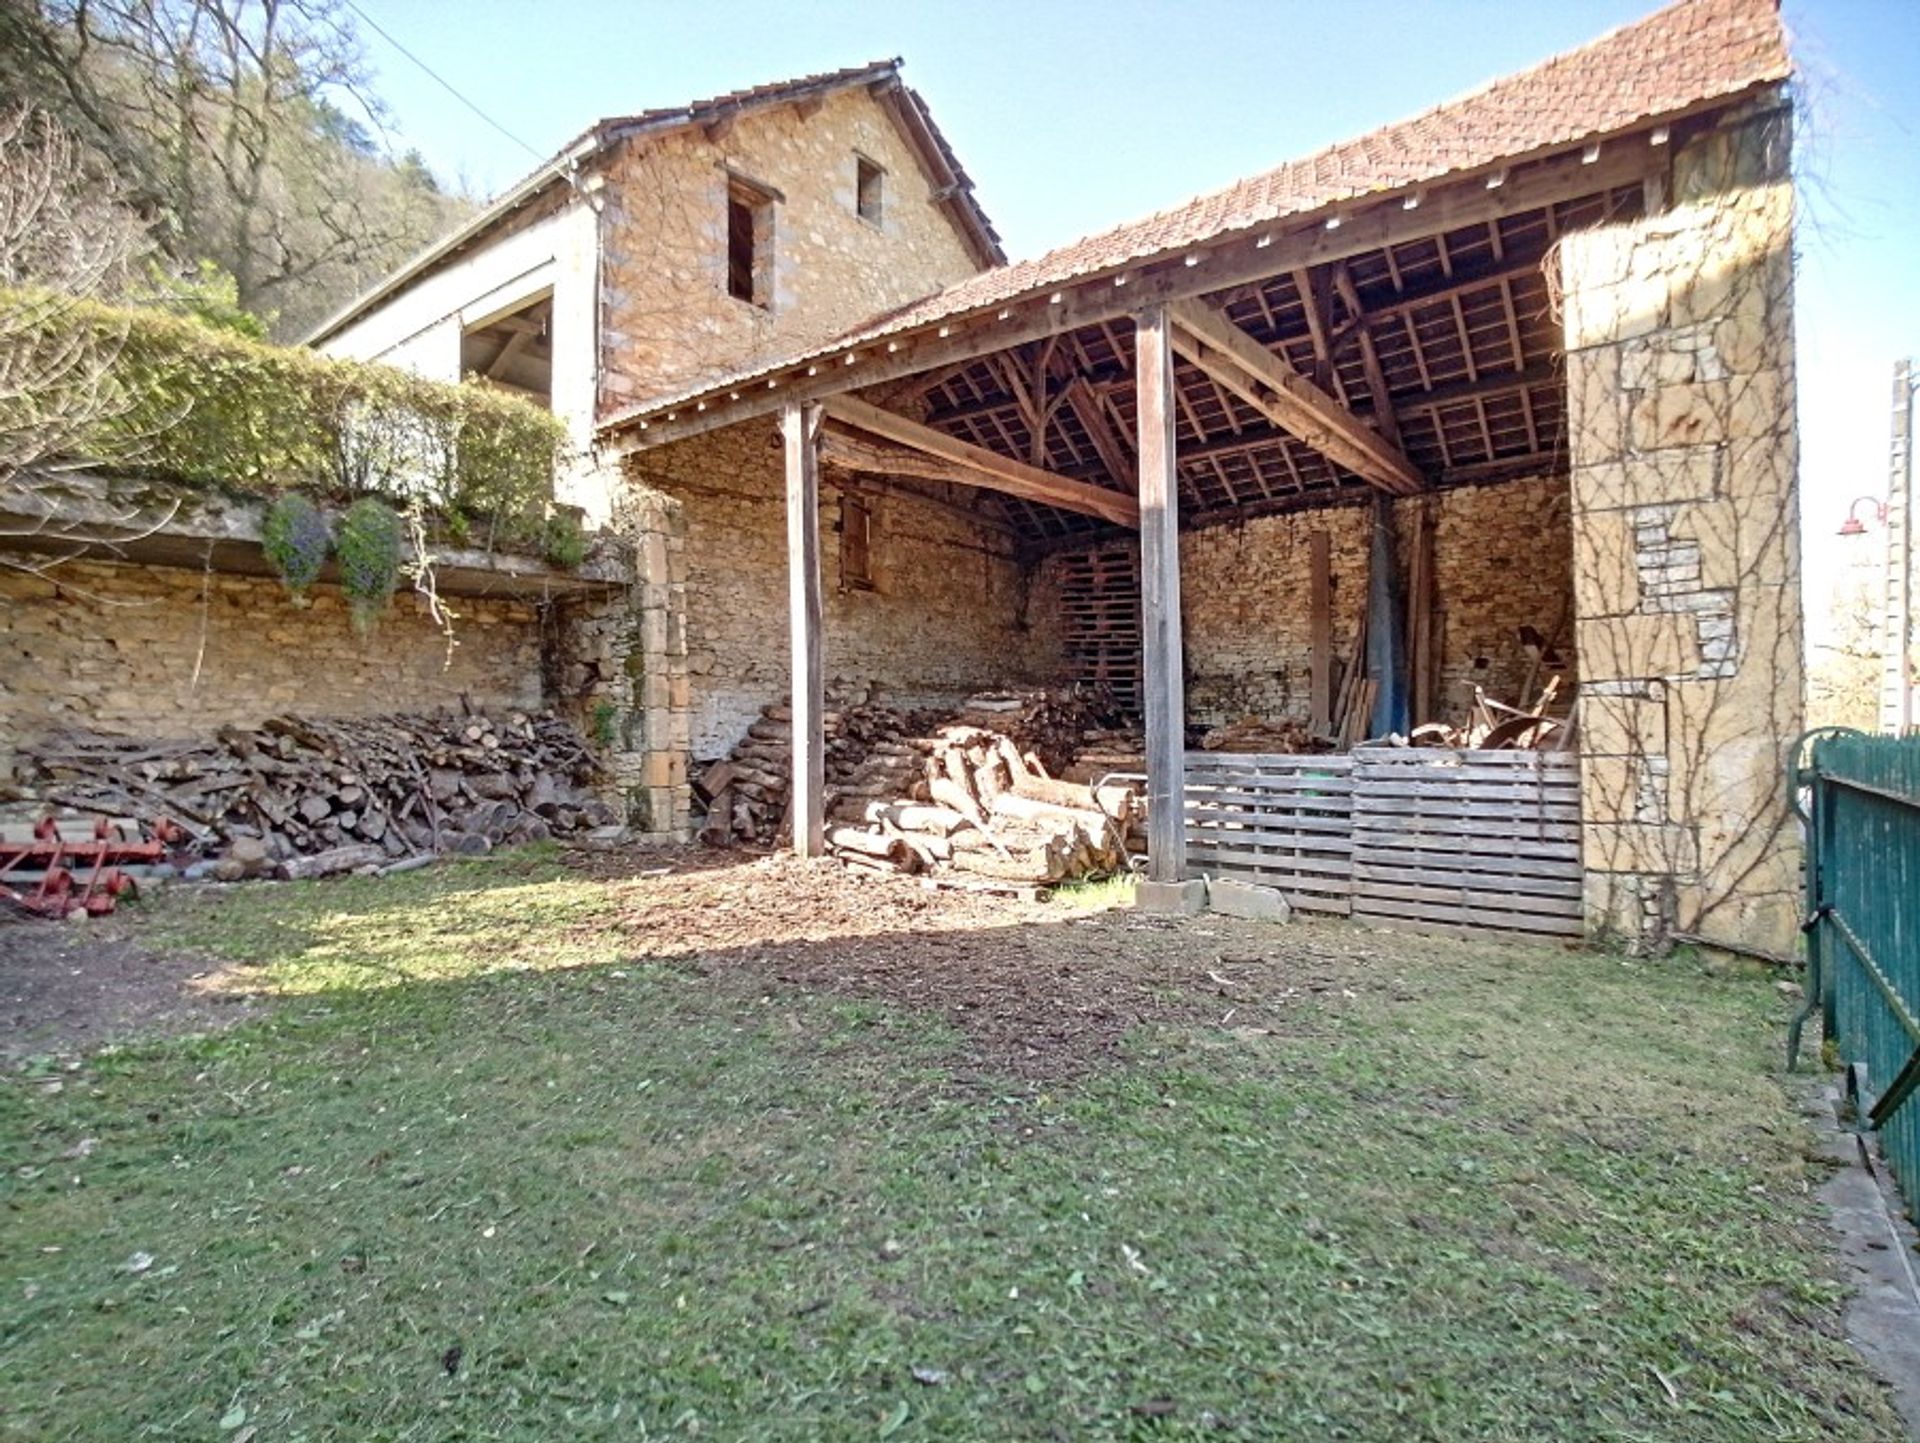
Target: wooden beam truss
{"x":1203,"y":335}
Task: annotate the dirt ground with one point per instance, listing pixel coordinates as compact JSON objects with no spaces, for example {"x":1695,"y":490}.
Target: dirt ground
{"x":1041,"y":989}
{"x":76,"y":986}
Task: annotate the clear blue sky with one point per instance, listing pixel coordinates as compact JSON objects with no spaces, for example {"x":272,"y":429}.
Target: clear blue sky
{"x":1072,"y":115}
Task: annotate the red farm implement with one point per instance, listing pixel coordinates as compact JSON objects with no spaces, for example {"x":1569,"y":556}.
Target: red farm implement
{"x":58,"y":875}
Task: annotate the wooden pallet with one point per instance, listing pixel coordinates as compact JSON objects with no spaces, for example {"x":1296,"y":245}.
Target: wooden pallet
{"x":1100,"y":615}
{"x":1467,"y":841}
{"x":1427,"y":840}
{"x":1280,"y":821}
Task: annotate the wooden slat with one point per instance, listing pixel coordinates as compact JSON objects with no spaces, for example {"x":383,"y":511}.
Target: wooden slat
{"x":1320,"y":632}
{"x":1331,"y":865}
{"x":1330,"y":824}
{"x":1560,"y":890}
{"x":1465,"y":854}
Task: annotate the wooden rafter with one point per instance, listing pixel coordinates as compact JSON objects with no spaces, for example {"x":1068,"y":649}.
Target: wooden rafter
{"x":962,"y":463}
{"x":1383,"y":417}
{"x":1203,"y":335}
{"x":1114,"y":454}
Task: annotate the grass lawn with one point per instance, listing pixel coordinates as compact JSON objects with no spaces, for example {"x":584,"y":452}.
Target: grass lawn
{"x":524,"y":1154}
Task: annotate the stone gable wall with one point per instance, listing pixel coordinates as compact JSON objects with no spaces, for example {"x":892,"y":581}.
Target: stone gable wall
{"x":666,"y":317}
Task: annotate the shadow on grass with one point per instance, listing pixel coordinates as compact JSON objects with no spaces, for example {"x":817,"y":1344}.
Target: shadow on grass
{"x":515,"y":1160}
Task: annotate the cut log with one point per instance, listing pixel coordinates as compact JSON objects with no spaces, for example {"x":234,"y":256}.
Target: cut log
{"x":328,"y":863}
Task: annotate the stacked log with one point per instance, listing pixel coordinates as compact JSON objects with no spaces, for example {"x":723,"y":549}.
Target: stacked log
{"x":375,"y":788}
{"x":869,"y":749}
{"x":984,"y":810}
{"x":968,"y":791}
{"x":1048,"y":723}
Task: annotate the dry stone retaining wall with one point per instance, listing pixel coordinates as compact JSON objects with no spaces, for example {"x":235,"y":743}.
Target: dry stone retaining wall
{"x":165,"y":651}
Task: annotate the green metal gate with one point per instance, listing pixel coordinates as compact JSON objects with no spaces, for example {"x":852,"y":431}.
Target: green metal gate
{"x":1861,"y":800}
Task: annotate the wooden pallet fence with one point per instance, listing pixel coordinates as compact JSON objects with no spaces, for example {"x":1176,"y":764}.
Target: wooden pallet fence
{"x":1467,"y":841}
{"x":1428,"y":840}
{"x":1100,"y":620}
{"x":1281,"y":821}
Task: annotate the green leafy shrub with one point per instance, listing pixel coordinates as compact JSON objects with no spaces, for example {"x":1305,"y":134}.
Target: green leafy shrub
{"x":296,"y":539}
{"x":208,"y":294}
{"x":212,"y":407}
{"x":562,"y":541}
{"x":368,"y":548}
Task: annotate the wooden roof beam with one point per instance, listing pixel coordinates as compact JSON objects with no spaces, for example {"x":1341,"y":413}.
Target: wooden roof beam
{"x":1114,"y":453}
{"x":961,"y":462}
{"x":1203,"y":335}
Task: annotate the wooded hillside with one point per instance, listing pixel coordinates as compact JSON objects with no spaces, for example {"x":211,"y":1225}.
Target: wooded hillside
{"x":246,"y":132}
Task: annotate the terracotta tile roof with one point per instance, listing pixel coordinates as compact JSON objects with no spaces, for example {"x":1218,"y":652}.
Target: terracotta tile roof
{"x":1689,"y":54}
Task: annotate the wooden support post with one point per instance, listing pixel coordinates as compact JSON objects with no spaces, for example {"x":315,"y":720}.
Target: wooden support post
{"x":1320,"y":631}
{"x":800,"y":430}
{"x":1162,"y":681}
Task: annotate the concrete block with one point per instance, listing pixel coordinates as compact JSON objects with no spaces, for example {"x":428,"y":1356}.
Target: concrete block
{"x":1176,"y":899}
{"x":1244,"y":899}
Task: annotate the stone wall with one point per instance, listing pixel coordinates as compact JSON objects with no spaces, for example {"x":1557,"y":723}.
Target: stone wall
{"x":1679,"y":338}
{"x":1502,"y":559}
{"x":667,"y":319}
{"x":162,"y":651}
{"x":946,"y":614}
{"x":617,"y":664}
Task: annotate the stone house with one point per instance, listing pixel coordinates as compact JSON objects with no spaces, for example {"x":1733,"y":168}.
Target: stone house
{"x":1532,"y":347}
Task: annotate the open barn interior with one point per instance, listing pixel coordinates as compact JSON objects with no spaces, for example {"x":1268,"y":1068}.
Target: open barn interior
{"x":1374,"y":541}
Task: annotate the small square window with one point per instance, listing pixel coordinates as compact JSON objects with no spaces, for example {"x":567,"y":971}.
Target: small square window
{"x":869,"y":185}
{"x":749,"y":244}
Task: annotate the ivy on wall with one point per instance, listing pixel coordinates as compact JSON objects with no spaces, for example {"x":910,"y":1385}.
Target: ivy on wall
{"x":214,"y":408}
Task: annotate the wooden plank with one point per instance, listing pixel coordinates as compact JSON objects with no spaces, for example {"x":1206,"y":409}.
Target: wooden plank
{"x":1320,"y":632}
{"x":1561,"y":859}
{"x":1562,"y":889}
{"x":1387,"y":794}
{"x":967,"y":464}
{"x":1162,"y":680}
{"x":1431,"y":830}
{"x":1420,"y":614}
{"x":1258,"y":778}
{"x":1411,"y":921}
{"x":1548,"y":840}
{"x":1487,"y":822}
{"x":1206,"y":337}
{"x":1336,"y":867}
{"x":1332,"y":824}
{"x":1452,"y":757}
{"x":800,"y":430}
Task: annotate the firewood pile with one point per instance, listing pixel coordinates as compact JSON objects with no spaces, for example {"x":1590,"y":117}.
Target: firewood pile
{"x":985,"y":810}
{"x":1103,"y":751}
{"x":1251,"y":734}
{"x":869,"y":754}
{"x":969,"y":792}
{"x":304,"y":796}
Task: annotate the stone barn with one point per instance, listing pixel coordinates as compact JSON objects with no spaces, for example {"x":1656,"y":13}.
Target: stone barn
{"x":1478,"y":428}
{"x":1523,"y":362}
